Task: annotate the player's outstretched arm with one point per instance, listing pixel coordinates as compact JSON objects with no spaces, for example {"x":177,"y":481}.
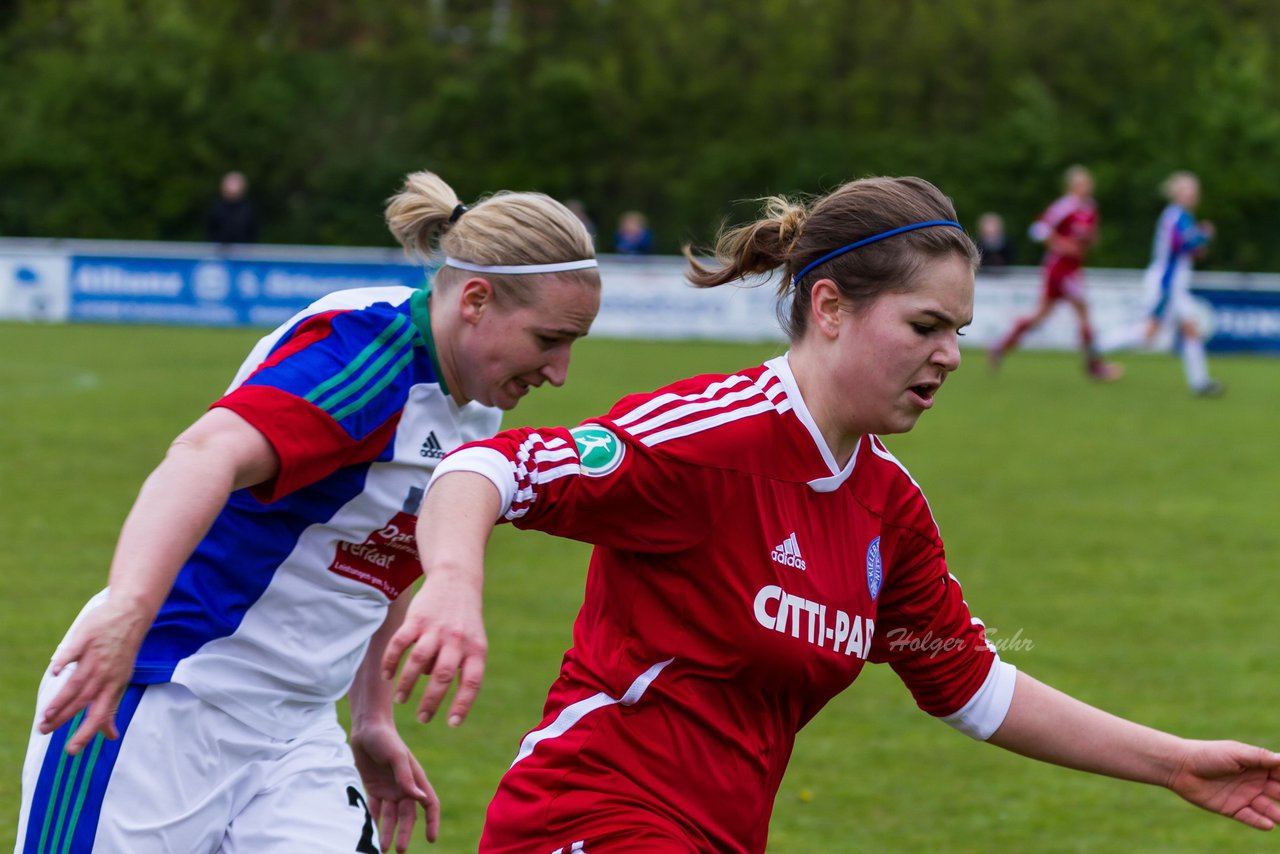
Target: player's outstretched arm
{"x":393,"y":778}
{"x":178,"y":502}
{"x":1233,"y":779}
{"x":445,"y":623}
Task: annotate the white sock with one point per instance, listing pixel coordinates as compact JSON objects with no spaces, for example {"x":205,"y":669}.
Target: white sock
{"x":1193,"y":362}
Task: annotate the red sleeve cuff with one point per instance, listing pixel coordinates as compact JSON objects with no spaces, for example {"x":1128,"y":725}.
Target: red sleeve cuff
{"x":308,"y":442}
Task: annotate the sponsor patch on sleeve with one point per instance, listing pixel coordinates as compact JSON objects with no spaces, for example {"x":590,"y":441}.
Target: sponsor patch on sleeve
{"x":599,"y":449}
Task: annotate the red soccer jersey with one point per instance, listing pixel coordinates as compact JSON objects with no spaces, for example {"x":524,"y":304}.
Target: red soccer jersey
{"x":740,"y":580}
{"x":1070,"y":217}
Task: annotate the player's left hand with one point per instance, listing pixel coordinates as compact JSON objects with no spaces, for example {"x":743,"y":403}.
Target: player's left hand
{"x":443,"y":633}
{"x":396,"y":785}
{"x":103,"y":648}
{"x":1233,"y":779}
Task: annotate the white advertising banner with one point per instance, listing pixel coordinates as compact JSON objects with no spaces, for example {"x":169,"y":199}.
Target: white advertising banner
{"x":33,"y":285}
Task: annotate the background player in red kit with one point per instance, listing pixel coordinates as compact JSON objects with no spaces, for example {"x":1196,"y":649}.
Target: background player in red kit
{"x":1067,"y":228}
{"x":755,"y":545}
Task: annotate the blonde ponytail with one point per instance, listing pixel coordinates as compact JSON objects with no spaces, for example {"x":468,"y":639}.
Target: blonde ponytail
{"x":419,"y":214}
{"x":504,"y":229}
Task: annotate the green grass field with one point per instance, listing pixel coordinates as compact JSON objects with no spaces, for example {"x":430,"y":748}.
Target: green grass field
{"x":1125,"y":535}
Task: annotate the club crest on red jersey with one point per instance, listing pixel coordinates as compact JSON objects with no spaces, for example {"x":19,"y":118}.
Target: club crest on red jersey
{"x":875,"y":572}
{"x":600,"y":452}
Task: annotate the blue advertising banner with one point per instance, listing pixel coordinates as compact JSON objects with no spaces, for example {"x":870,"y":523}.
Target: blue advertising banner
{"x":215,"y":291}
{"x":1243,"y":320}
{"x":44,"y":280}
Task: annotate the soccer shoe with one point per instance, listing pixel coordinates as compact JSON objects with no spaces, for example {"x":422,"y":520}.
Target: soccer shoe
{"x":1105,"y":372}
{"x":1212,"y":388}
{"x":994,"y":357}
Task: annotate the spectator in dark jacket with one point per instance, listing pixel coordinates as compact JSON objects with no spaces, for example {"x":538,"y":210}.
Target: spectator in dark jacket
{"x":231,"y":218}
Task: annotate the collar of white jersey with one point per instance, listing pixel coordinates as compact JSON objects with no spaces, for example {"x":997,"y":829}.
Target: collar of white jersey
{"x":838,"y":476}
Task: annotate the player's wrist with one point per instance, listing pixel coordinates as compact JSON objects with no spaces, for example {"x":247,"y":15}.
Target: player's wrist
{"x":131,"y":608}
{"x":372,"y":727}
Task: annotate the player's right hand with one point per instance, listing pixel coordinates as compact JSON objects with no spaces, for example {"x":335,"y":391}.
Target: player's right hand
{"x":102,"y":648}
{"x":445,"y":628}
{"x":396,"y":785}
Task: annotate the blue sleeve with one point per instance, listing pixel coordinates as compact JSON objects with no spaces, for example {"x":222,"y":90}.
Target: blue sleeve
{"x":1189,"y":234}
{"x":352,"y":366}
{"x":330,"y":394}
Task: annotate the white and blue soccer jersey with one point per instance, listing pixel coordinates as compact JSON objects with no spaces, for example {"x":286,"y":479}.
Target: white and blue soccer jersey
{"x":1168,"y":277}
{"x":272,"y":614}
{"x":269,"y":619}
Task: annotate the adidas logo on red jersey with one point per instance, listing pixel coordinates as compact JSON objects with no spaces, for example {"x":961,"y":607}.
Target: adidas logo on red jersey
{"x":787,"y":552}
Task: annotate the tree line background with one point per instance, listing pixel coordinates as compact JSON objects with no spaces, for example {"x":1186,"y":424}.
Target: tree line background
{"x":119,"y":116}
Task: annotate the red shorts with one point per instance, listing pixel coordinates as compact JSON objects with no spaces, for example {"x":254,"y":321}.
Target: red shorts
{"x":1063,"y":279}
{"x":530,"y":819}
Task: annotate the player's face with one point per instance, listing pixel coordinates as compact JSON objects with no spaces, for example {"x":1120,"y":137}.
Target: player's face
{"x":1186,"y":193}
{"x":894,"y":355}
{"x":1081,"y":185}
{"x":511,"y":350}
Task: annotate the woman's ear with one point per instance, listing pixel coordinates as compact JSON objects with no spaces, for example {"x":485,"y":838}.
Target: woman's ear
{"x":475,"y":297}
{"x":824,"y":308}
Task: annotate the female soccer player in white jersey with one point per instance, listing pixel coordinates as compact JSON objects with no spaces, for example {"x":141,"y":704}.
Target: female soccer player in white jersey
{"x":755,"y":545}
{"x":259,"y":574}
{"x":1179,"y":239}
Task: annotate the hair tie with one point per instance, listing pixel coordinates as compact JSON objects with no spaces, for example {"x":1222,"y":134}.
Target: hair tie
{"x":789,"y":231}
{"x":457,"y":213}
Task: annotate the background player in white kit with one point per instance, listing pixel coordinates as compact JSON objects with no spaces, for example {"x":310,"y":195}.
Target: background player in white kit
{"x":1169,"y":317}
{"x":1178,"y":241}
{"x":259,"y":574}
{"x":697,"y":654}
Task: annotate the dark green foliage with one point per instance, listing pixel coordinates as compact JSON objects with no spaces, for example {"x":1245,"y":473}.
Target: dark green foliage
{"x":119,"y":115}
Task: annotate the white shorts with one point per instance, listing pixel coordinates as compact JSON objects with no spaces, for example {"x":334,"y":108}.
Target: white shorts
{"x":1168,"y":302}
{"x":187,"y":778}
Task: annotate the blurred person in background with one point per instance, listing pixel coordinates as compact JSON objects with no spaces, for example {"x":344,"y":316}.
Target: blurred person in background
{"x":232,"y":216}
{"x":1179,"y":240}
{"x":755,"y":545}
{"x":994,"y":245}
{"x":191,"y":706}
{"x":1067,"y":228}
{"x":579,"y":209}
{"x":633,"y":237}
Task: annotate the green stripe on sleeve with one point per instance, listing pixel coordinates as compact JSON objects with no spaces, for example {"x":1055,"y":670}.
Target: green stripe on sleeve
{"x":393,"y":350}
{"x":386,"y":380}
{"x":373,"y":347}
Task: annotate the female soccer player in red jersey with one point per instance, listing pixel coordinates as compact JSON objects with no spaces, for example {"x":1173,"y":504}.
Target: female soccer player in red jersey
{"x":1067,"y":228}
{"x":755,"y":545}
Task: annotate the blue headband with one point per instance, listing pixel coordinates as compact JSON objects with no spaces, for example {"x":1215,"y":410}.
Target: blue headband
{"x":872,"y":239}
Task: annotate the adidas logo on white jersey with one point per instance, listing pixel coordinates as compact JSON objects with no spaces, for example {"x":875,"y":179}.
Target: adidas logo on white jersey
{"x":787,"y":552}
{"x":431,"y":447}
